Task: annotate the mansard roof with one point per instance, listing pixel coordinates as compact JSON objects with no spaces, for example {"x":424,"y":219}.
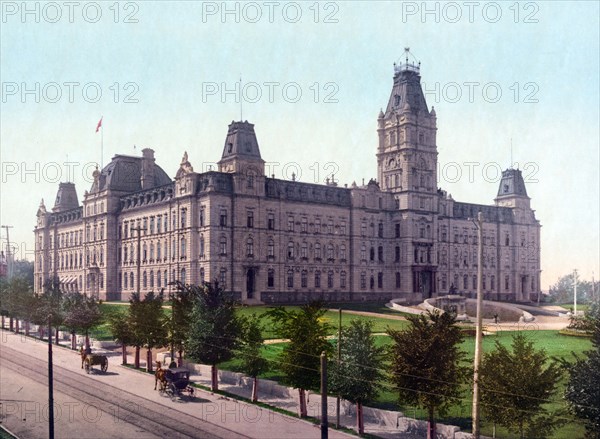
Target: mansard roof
{"x":407,"y":94}
{"x":124,"y":173}
{"x":241,"y":142}
{"x":512,"y":184}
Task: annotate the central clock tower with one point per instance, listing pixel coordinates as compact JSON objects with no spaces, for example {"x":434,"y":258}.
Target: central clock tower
{"x":407,"y":152}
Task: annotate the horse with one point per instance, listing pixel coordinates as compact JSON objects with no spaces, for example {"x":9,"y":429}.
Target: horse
{"x":84,"y":353}
{"x":159,"y":376}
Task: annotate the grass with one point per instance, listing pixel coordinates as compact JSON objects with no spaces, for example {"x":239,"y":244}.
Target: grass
{"x":380,"y":324}
{"x":556,"y":345}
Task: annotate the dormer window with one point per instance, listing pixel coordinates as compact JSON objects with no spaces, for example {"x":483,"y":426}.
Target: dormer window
{"x":229,"y":148}
{"x":396,"y":100}
{"x":505,"y":188}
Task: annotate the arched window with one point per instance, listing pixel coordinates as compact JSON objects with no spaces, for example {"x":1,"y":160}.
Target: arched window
{"x":270,"y":278}
{"x":290,"y":250}
{"x":304,"y":279}
{"x":465,"y":282}
{"x":343,"y":279}
{"x":201,"y":245}
{"x":145,"y":280}
{"x":343,"y":252}
{"x":158,"y":283}
{"x":183,"y":279}
{"x":330,"y":251}
{"x":249,"y":247}
{"x":183,"y":248}
{"x":398,"y":279}
{"x":317,"y":279}
{"x":124,"y":280}
{"x":158,"y":251}
{"x":131,"y":280}
{"x":202,"y":275}
{"x":152,"y":251}
{"x":330,"y":279}
{"x":290,"y":278}
{"x":318,"y":251}
{"x":223,"y":246}
{"x":271,"y":249}
{"x":151,"y":279}
{"x":144,"y":252}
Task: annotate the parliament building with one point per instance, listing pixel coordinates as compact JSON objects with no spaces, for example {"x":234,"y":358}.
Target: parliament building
{"x":270,"y":240}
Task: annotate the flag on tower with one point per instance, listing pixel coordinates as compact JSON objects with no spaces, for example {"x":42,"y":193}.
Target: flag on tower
{"x":99,"y":124}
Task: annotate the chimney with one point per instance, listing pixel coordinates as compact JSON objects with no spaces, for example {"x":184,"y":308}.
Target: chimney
{"x":147,"y":174}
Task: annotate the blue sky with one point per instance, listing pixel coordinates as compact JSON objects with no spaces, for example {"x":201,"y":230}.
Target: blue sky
{"x":532,"y":68}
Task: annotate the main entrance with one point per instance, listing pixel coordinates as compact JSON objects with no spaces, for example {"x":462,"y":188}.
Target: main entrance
{"x":423,"y":282}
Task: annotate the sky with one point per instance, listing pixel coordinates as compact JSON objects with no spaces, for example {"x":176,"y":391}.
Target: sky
{"x":314,"y":75}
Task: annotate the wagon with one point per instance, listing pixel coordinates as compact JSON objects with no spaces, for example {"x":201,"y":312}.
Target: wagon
{"x":176,"y":383}
{"x":93,"y":360}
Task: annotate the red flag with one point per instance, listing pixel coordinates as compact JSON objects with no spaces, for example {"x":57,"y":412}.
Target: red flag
{"x":99,"y":124}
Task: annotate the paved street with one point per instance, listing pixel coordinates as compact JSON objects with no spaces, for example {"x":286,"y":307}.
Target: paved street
{"x":121,"y":403}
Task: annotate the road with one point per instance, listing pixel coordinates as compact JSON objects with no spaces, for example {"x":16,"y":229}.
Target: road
{"x":121,"y":403}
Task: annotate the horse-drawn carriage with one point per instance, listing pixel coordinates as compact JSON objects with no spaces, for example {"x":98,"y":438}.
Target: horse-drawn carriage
{"x":88,"y":360}
{"x":175,"y":382}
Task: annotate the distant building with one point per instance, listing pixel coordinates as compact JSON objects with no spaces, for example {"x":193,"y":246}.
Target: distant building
{"x":275,"y":241}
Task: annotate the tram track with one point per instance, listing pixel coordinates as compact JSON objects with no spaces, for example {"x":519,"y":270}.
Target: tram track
{"x":124,"y":406}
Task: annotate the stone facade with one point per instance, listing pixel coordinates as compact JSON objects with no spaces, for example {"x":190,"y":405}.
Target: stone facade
{"x":277,"y":241}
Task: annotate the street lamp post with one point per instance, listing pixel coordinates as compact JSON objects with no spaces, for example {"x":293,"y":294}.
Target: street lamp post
{"x":478,"y":330}
{"x":575,"y":292}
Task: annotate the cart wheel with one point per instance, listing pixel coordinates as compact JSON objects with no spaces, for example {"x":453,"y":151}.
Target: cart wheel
{"x":104,"y":366}
{"x":87,"y":367}
{"x":172,"y":392}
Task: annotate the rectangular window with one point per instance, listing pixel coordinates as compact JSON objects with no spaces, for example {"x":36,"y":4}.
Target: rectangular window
{"x":343,"y":227}
{"x":270,"y":278}
{"x":250,"y":219}
{"x":223,"y":218}
{"x":290,"y":223}
{"x":380,"y":230}
{"x":271,"y":222}
{"x":318,"y":225}
{"x":397,"y":280}
{"x":380,"y":280}
{"x":201,"y":219}
{"x":304,"y":225}
{"x":183,"y":218}
{"x":397,"y":254}
{"x":397,"y":230}
{"x":363,"y":281}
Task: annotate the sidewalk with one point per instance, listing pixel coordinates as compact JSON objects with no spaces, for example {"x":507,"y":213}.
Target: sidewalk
{"x":247,"y":419}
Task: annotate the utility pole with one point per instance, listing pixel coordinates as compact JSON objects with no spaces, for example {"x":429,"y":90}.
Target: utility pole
{"x":478,"y":330}
{"x":138,"y":229}
{"x":9,"y":265}
{"x":324,"y":424}
{"x":339,"y":357}
{"x":50,"y":382}
{"x":575,"y":292}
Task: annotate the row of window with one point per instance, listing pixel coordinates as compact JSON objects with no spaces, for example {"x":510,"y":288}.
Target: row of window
{"x":304,"y":279}
{"x":154,"y":252}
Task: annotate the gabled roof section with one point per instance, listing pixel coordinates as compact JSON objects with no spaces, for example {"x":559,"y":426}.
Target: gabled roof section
{"x":241,"y":142}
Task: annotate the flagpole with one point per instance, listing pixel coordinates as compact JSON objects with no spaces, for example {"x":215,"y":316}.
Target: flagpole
{"x":101,"y":147}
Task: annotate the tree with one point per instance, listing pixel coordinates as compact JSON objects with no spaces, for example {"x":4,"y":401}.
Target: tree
{"x":562,"y":291}
{"x":515,"y":384}
{"x":182,"y":301}
{"x":147,"y":328}
{"x":119,"y":327}
{"x":214,"y":329}
{"x":81,"y":313}
{"x":300,"y":358}
{"x":356,"y":378}
{"x":427,"y":364}
{"x":582,"y":391}
{"x":249,"y":351}
{"x":49,"y":310}
{"x":24,"y":269}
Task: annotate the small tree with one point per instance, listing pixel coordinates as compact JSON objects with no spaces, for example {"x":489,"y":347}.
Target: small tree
{"x":155,"y":333}
{"x":49,"y":307}
{"x":81,"y":313}
{"x":249,"y":351}
{"x":146,"y":321}
{"x":214,"y":329}
{"x":182,"y":301}
{"x":583,"y":391}
{"x":300,"y":358}
{"x":426,"y":364}
{"x":356,"y":378}
{"x":515,"y":384}
{"x":119,"y":327}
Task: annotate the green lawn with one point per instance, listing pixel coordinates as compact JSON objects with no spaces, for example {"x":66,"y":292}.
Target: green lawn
{"x":555,"y":344}
{"x":380,"y":324}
